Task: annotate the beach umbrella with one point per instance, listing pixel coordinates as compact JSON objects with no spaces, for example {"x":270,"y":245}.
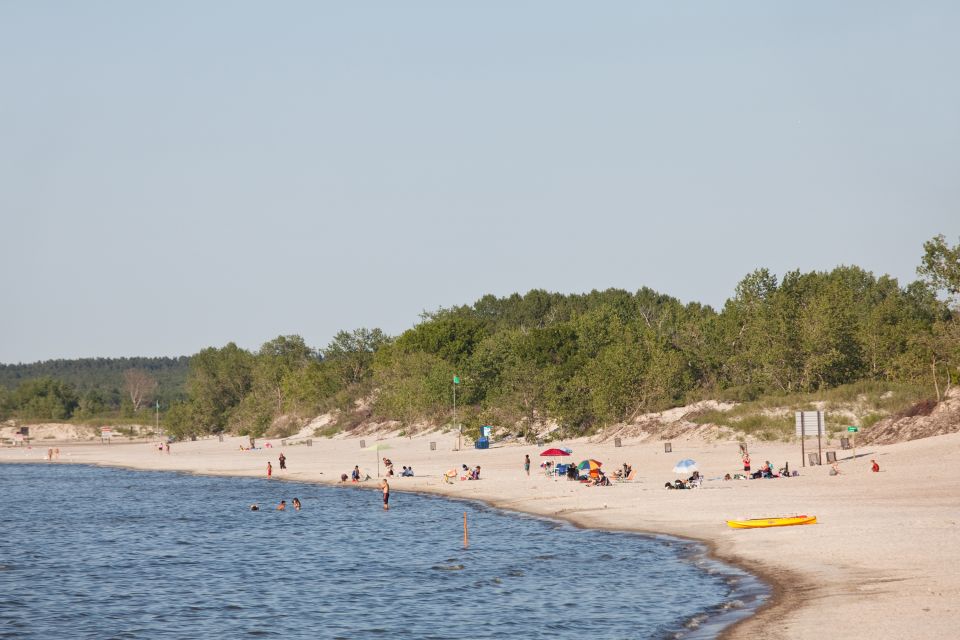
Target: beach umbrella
{"x":591,"y":466}
{"x":378,"y":446}
{"x":685,"y":466}
{"x":554,"y":452}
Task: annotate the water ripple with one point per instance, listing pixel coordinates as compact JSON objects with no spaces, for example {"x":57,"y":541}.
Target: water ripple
{"x":163,"y":555}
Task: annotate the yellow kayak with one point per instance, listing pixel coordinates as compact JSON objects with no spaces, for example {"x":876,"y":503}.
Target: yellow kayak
{"x":762,"y":523}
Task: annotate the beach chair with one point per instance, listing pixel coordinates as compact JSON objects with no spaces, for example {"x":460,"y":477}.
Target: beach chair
{"x":629,"y":478}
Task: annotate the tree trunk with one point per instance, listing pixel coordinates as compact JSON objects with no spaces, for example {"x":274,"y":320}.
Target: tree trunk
{"x":936,"y":383}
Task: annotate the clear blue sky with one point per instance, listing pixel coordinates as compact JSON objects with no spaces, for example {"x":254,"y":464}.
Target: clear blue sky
{"x":175,"y":175}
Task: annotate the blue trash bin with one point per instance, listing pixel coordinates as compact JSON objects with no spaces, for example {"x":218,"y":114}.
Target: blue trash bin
{"x":483,"y":443}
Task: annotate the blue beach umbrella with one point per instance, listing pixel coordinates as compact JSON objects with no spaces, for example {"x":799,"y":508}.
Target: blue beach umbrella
{"x":685,"y":466}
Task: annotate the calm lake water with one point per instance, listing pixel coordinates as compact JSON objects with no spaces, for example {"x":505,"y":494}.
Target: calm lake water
{"x":87,"y":552}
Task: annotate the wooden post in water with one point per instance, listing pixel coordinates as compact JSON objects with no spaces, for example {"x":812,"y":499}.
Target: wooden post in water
{"x":466,"y":537}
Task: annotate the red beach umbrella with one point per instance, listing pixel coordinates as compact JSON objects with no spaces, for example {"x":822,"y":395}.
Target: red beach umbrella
{"x":554,"y":452}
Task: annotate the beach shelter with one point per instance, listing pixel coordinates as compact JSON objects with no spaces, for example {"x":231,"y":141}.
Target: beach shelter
{"x":685,"y":466}
{"x":378,"y":446}
{"x":590,"y":466}
{"x":554,"y":452}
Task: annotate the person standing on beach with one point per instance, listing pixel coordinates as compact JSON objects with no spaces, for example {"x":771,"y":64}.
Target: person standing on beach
{"x":526,"y":463}
{"x":269,"y":469}
{"x":746,"y":462}
{"x":283,"y":461}
{"x":386,"y":494}
{"x":167,"y":447}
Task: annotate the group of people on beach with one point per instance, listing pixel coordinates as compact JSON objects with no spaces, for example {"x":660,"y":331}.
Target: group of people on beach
{"x":465,"y":473}
{"x":53,"y":454}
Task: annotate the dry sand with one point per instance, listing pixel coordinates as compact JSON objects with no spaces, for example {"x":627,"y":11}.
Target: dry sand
{"x":881,"y":563}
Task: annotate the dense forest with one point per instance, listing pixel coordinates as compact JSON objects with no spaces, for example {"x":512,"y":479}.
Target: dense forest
{"x":90,"y":387}
{"x":588,"y":360}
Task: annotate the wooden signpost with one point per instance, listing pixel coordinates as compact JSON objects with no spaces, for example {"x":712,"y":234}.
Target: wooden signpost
{"x":810,"y":423}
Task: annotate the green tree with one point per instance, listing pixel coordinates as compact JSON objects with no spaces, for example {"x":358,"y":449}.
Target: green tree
{"x":351,"y":353}
{"x":218,"y":382}
{"x":940,"y":266}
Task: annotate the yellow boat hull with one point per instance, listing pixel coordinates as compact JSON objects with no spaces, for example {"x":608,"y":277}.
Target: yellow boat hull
{"x":763,"y":523}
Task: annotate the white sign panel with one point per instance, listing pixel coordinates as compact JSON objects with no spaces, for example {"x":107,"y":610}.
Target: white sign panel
{"x":810,"y":423}
{"x":106,"y":432}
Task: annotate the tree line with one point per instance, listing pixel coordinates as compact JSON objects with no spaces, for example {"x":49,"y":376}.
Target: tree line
{"x":90,"y":387}
{"x":588,"y":360}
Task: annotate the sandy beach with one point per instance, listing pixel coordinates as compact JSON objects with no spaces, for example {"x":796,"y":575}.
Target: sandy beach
{"x":880,"y":563}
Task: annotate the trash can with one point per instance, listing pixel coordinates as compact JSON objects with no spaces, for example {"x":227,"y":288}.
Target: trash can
{"x":482,"y":443}
{"x":844,"y":443}
{"x":814,"y":458}
{"x":433,"y":446}
{"x":667,"y":447}
{"x":616,"y":442}
{"x":831,"y":456}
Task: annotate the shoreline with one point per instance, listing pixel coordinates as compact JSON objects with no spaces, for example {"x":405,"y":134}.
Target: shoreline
{"x":853,"y":573}
{"x":766,"y":590}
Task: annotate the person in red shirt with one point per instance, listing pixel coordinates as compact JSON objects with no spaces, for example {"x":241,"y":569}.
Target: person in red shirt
{"x":874,"y":466}
{"x":269,"y":469}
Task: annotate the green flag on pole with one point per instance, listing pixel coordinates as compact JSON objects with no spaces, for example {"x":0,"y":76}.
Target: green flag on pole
{"x":456,"y":379}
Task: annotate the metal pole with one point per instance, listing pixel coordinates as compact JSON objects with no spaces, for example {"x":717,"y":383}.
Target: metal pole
{"x":158,"y":418}
{"x":459,"y":433}
{"x":803,"y":431}
{"x":819,"y":431}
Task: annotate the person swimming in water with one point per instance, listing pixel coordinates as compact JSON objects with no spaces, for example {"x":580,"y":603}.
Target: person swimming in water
{"x":282,"y":506}
{"x":254,"y":507}
{"x":296,"y":504}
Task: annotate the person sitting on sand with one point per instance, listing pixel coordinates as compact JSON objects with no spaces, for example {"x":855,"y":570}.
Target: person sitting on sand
{"x":874,"y":466}
{"x":475,"y":474}
{"x":834,"y":469}
{"x":449,"y":476}
{"x":407,"y":472}
{"x":296,"y":504}
{"x":282,"y":506}
{"x":464,"y":472}
{"x":727,"y":477}
{"x":678,"y":484}
{"x":343,"y":477}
